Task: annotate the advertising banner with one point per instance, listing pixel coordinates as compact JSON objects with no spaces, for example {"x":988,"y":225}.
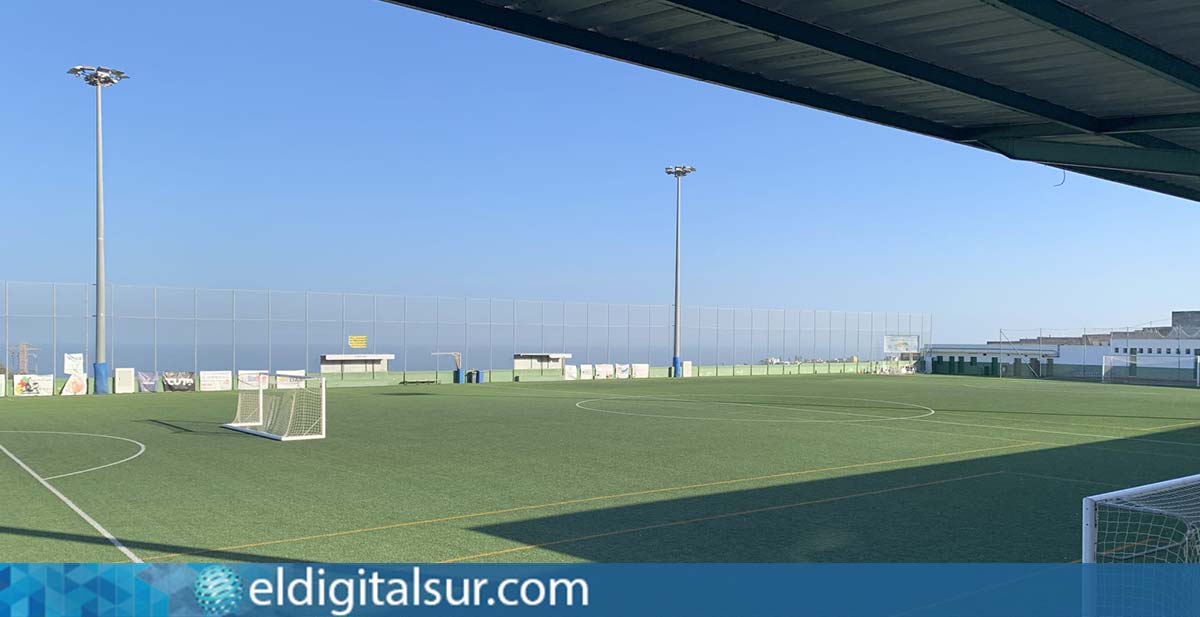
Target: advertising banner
{"x":73,"y":364}
{"x":124,"y":381}
{"x":179,"y":381}
{"x":147,"y":381}
{"x":33,"y":385}
{"x":570,"y":372}
{"x":289,"y":380}
{"x":76,"y":385}
{"x":251,"y":380}
{"x":622,"y":371}
{"x":641,"y":371}
{"x":587,"y":371}
{"x":216,"y":381}
{"x":901,"y":343}
{"x":604,"y":371}
{"x":686,"y":371}
{"x":356,"y":341}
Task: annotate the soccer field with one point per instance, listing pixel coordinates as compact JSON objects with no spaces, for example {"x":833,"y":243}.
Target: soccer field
{"x":807,"y":468}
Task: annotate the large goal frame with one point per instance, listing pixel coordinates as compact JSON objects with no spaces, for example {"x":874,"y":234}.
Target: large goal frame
{"x":1185,"y":549}
{"x":1152,"y":363}
{"x":251,"y":406}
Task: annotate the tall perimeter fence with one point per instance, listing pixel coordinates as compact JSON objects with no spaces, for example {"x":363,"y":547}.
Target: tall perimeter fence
{"x":169,"y":329}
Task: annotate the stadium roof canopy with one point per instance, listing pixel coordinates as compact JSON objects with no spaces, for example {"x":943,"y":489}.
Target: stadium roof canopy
{"x":1107,"y":88}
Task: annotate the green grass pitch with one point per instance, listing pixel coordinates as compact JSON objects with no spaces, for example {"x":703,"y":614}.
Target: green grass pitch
{"x":804,"y":468}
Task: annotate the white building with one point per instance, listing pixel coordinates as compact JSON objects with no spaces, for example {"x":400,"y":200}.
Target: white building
{"x":1175,"y":347}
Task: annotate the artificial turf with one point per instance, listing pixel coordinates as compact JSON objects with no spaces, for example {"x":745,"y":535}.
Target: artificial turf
{"x":781,"y":468}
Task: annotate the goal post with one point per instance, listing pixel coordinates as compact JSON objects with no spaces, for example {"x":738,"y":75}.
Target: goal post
{"x":1153,"y":523}
{"x":292,"y":411}
{"x":1164,"y":370}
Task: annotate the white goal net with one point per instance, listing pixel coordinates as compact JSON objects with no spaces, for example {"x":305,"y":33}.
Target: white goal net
{"x":294,"y":409}
{"x":1168,"y":370}
{"x":1154,"y":523}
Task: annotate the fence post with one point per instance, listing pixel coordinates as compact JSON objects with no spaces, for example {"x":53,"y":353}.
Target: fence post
{"x":307,"y":358}
{"x":233,"y":326}
{"x":195,"y":330}
{"x":155,"y":292}
{"x":54,"y":329}
{"x":269,"y":346}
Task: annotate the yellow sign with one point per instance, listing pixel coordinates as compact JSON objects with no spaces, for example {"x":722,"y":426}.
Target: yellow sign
{"x":357,"y":341}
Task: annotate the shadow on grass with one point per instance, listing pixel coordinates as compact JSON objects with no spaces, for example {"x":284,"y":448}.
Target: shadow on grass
{"x":193,"y":427}
{"x":1022,"y":506}
{"x":138,"y":545}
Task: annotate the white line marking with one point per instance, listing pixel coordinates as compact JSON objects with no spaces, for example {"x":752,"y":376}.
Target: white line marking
{"x":652,"y":399}
{"x":1038,"y":430}
{"x":141,"y":449}
{"x":84,"y":515}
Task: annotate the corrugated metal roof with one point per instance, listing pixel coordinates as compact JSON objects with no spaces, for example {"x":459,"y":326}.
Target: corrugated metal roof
{"x":1107,"y":88}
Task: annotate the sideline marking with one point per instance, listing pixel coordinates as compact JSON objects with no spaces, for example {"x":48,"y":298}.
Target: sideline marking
{"x":652,"y":399}
{"x":1049,"y":432}
{"x":458,"y":517}
{"x":141,"y":449}
{"x":716,"y":517}
{"x":84,"y":515}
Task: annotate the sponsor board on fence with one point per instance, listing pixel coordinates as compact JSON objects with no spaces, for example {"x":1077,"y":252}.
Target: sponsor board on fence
{"x":622,"y":371}
{"x":289,"y":380}
{"x":604,"y":371}
{"x":33,"y":385}
{"x":73,"y":364}
{"x":570,"y":372}
{"x":179,"y":381}
{"x":640,"y":371}
{"x":216,"y":381}
{"x":587,"y":371}
{"x":686,"y":371}
{"x":147,"y":381}
{"x":124,"y":381}
{"x":901,"y":343}
{"x":252,"y":380}
{"x":76,"y":385}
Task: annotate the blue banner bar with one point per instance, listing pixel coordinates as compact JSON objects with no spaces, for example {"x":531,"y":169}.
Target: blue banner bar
{"x":339,"y":590}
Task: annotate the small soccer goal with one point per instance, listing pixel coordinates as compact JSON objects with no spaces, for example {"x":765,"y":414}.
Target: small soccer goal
{"x":1154,"y":523}
{"x":293,"y":410}
{"x":1164,"y":370}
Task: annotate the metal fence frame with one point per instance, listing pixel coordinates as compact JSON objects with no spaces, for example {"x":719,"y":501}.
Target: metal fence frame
{"x":480,"y":328}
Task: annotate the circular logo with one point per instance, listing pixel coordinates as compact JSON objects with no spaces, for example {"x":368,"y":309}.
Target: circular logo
{"x":218,"y":591}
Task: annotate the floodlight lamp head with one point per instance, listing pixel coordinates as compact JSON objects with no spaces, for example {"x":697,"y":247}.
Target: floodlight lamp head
{"x":680,"y":171}
{"x":97,"y":75}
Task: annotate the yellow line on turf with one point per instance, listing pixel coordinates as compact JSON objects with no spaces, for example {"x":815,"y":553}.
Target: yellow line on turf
{"x":569,"y":502}
{"x":1176,"y":425}
{"x":713,"y":517}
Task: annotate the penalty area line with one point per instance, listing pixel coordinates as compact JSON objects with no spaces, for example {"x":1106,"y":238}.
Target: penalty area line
{"x":70,"y":504}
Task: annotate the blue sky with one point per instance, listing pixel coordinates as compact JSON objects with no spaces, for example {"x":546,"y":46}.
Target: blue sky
{"x":359,"y":146}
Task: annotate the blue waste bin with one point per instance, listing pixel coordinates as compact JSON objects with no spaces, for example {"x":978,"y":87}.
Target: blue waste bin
{"x":458,"y":375}
{"x":481,"y":377}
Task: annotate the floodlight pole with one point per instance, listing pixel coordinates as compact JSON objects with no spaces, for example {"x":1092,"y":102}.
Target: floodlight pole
{"x":679,"y":171}
{"x":101,"y":366}
{"x":99,"y":77}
